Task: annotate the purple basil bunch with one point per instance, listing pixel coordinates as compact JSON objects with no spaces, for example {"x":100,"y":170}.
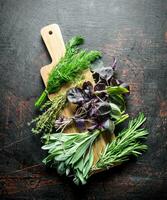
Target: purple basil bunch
{"x":93,"y":110}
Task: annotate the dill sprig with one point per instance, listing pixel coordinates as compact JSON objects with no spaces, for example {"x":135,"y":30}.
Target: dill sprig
{"x":127,"y":143}
{"x":70,"y":66}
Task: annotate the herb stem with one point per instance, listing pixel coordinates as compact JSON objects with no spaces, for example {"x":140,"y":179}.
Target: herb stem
{"x":41,"y":98}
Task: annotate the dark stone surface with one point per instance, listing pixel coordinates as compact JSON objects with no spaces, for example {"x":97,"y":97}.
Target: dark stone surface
{"x":134,"y":32}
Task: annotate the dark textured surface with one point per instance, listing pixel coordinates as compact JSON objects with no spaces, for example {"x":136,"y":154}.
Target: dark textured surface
{"x":131,"y":30}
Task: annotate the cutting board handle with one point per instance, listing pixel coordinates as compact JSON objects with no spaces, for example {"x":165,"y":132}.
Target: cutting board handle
{"x":53,"y":40}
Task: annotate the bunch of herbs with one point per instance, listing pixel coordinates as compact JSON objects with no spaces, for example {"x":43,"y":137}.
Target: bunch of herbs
{"x":101,"y":106}
{"x":71,"y":154}
{"x":71,"y":65}
{"x":127,"y":143}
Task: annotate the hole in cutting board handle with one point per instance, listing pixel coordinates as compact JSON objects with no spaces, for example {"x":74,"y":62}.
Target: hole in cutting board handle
{"x":50,"y":32}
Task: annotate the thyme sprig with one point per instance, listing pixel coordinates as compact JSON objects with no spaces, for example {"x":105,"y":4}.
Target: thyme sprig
{"x":44,"y":123}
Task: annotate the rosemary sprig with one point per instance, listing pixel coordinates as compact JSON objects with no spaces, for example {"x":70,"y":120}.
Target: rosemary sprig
{"x":74,"y":62}
{"x":71,"y":154}
{"x":125,"y":144}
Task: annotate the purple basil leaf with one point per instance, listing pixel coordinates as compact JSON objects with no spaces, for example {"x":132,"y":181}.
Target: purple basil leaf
{"x":94,"y":101}
{"x":105,"y":73}
{"x":93,"y":112}
{"x":75,"y":95}
{"x":87,"y":91}
{"x":99,"y":87}
{"x":87,"y":105}
{"x":96,"y":77}
{"x":103,"y":108}
{"x":87,"y":87}
{"x":116,"y":82}
{"x":103,"y":96}
{"x":80,"y":123}
{"x":81,"y":111}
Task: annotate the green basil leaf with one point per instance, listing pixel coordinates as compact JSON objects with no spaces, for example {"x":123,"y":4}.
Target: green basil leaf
{"x":117,"y":90}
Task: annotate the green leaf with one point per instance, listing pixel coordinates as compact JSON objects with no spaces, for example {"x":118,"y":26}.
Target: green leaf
{"x":49,"y":146}
{"x":80,"y":152}
{"x":116,"y":90}
{"x":121,"y":119}
{"x":61,"y":169}
{"x":49,"y":158}
{"x":73,"y":153}
{"x":80,"y":164}
{"x":75,"y":41}
{"x":115,"y":110}
{"x":119,"y":101}
{"x":79,"y":175}
{"x":89,"y":164}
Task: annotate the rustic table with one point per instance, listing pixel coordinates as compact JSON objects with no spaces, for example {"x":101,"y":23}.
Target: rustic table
{"x":132,"y":31}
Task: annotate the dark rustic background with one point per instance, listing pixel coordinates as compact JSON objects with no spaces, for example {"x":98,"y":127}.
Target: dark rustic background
{"x":132,"y":30}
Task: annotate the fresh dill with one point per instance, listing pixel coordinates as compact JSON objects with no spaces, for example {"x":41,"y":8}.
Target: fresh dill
{"x":71,"y":65}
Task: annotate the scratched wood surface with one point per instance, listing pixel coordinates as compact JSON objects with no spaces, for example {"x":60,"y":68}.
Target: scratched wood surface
{"x":133,"y":31}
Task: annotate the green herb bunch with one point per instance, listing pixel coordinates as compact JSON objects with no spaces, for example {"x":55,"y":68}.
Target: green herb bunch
{"x":72,"y":154}
{"x":99,"y":108}
{"x":127,"y":143}
{"x":44,"y":123}
{"x":71,"y":65}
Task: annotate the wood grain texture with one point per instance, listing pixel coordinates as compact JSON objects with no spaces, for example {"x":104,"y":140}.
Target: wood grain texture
{"x":134,"y":32}
{"x":53,"y":40}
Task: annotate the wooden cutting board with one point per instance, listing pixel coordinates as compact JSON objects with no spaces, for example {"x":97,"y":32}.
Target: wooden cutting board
{"x":53,"y":40}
